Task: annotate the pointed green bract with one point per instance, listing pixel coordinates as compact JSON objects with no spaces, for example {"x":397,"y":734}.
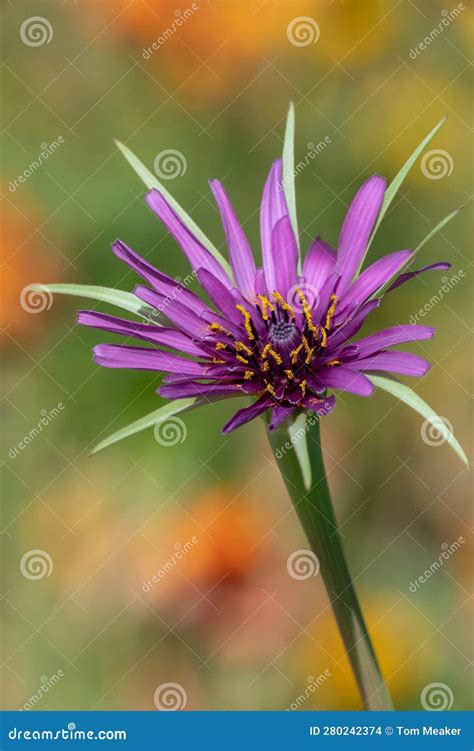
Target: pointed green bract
{"x":397,"y":181}
{"x":156,"y":417}
{"x":407,"y":395}
{"x":151,"y":181}
{"x":297,"y":431}
{"x":428,"y":237}
{"x":289,"y":172}
{"x":117,"y":297}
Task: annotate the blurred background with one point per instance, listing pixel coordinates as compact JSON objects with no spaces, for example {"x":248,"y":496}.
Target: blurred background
{"x":156,"y":572}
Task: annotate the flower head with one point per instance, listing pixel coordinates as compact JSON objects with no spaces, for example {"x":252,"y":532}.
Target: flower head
{"x":283,"y":337}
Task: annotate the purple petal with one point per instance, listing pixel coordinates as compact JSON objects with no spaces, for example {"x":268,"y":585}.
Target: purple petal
{"x":404,"y":363}
{"x":285,"y":255}
{"x":240,"y":252}
{"x":185,"y":390}
{"x":272,"y":209}
{"x":162,"y":283}
{"x":177,"y":313}
{"x":248,"y":413}
{"x":279,"y":415}
{"x":390,"y":337}
{"x":320,"y":405}
{"x":319,"y":262}
{"x":374,"y":277}
{"x":352,"y":325}
{"x":345,"y":379}
{"x":198,"y":256}
{"x":220,"y":295}
{"x":357,"y":227}
{"x":138,"y":358}
{"x":441,"y":266}
{"x":149,"y":333}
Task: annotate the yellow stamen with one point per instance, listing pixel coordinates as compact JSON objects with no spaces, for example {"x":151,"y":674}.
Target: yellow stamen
{"x":303,"y":387}
{"x":306,"y":344}
{"x":216,"y":361}
{"x":266,"y":366}
{"x":265,"y":304}
{"x":331,"y":363}
{"x":242,"y":359}
{"x":218,"y":327}
{"x":271,"y":390}
{"x":275,"y":356}
{"x":306,"y":311}
{"x":323,"y":338}
{"x":241,"y":347}
{"x":309,"y":356}
{"x":248,"y":375}
{"x":266,"y":350}
{"x":331,"y":310}
{"x":294,"y":354}
{"x":289,"y":374}
{"x":247,"y":325}
{"x":220,"y":345}
{"x":283,"y":304}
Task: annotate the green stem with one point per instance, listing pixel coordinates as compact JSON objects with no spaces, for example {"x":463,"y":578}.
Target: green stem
{"x":315,"y":511}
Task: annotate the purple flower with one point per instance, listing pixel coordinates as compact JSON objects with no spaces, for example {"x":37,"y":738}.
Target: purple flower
{"x":282,"y":337}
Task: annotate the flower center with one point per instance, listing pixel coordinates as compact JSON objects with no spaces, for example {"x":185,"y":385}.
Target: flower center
{"x":282,"y":332}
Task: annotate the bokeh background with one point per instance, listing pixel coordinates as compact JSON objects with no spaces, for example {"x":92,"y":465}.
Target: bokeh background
{"x":227,"y":623}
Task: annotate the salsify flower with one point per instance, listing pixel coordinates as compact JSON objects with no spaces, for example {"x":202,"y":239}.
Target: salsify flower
{"x":287,"y":337}
{"x":282,"y":337}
